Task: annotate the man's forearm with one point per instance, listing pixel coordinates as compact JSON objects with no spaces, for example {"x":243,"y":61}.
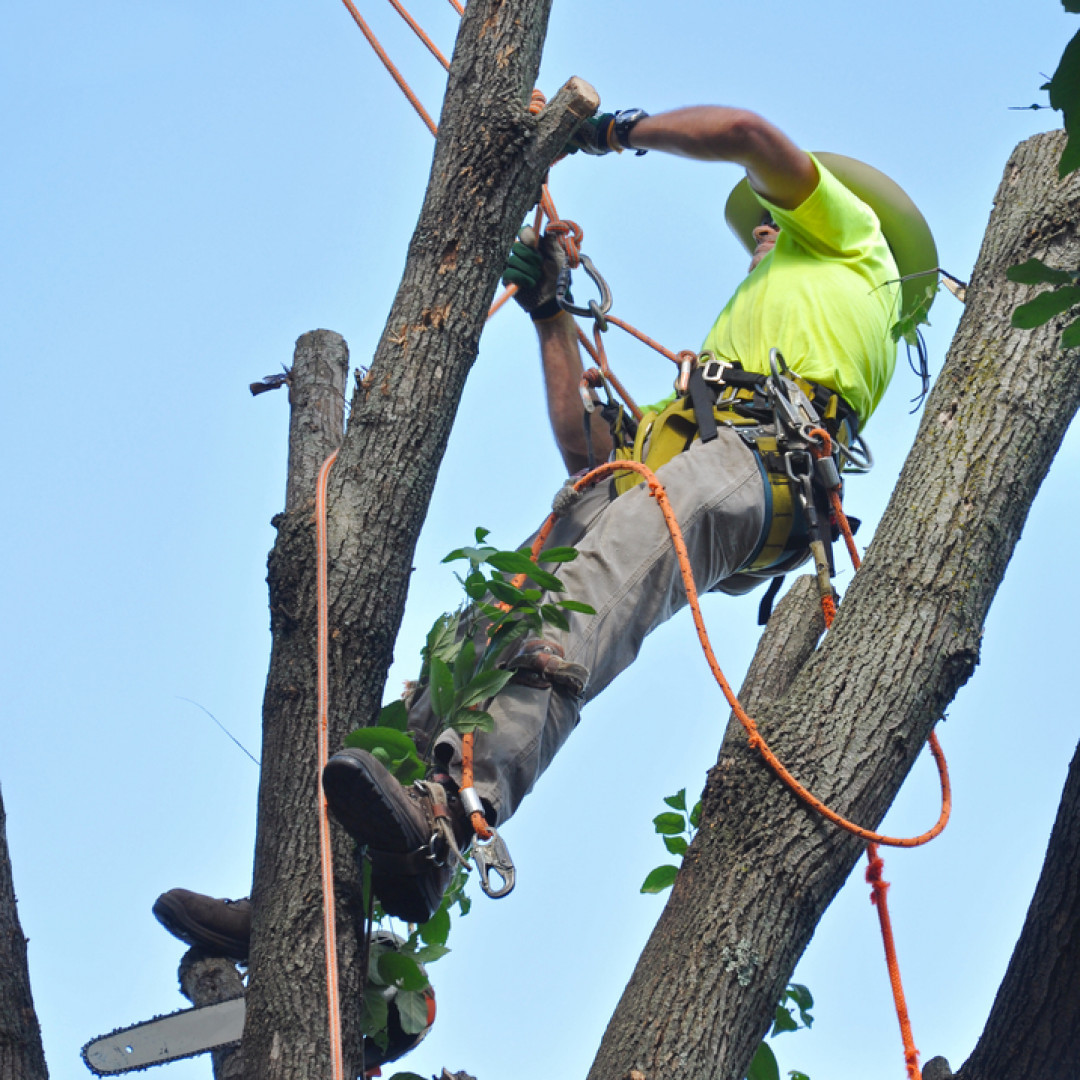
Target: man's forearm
{"x":563,"y":369}
{"x":777,"y":167}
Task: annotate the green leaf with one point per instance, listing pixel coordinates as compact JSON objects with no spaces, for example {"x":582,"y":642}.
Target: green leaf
{"x":514,"y":562}
{"x":1065,"y":95}
{"x":577,"y":605}
{"x":415,"y":1076}
{"x":472,"y":720}
{"x":465,"y":664}
{"x":1045,"y":306}
{"x":442,"y":637}
{"x":430,"y":953}
{"x":557,"y":554}
{"x":1036,"y":272}
{"x":802,"y":998}
{"x":793,"y":1073}
{"x":412,"y":1011}
{"x":375,"y":1013}
{"x":695,"y":815}
{"x":1070,"y":338}
{"x":437,"y":929}
{"x":395,"y":749}
{"x":475,"y":586}
{"x":485,"y":685}
{"x":442,"y":688}
{"x":764,"y":1066}
{"x":553,"y":616}
{"x":395,"y":716}
{"x":401,"y":971}
{"x":669,"y":824}
{"x":678,"y":800}
{"x":504,"y":591}
{"x":481,"y":534}
{"x":677,"y":845}
{"x":663,"y":877}
{"x":783,"y":1021}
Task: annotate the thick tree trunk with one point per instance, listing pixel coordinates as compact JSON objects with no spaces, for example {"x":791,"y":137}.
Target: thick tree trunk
{"x":207,"y":980}
{"x":490,"y":158}
{"x":1034,"y":1026}
{"x":763,"y":867}
{"x":21,"y":1054}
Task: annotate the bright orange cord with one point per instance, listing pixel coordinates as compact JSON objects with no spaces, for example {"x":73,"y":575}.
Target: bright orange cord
{"x":418,"y":30}
{"x":656,"y":489}
{"x":373,"y":41}
{"x":326,"y":860}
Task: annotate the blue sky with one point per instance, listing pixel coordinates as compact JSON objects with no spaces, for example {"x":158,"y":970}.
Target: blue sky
{"x":190,"y":187}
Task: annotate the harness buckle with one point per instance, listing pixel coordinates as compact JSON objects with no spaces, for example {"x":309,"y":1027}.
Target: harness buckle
{"x":492,"y":855}
{"x":713,"y":370}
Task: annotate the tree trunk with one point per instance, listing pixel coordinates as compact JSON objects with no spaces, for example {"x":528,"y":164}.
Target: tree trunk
{"x":490,"y":157}
{"x":1034,"y":1026}
{"x":207,"y":980}
{"x":21,"y":1054}
{"x":763,"y":867}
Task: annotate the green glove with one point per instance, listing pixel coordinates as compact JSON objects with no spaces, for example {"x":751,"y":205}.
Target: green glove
{"x":533,"y":266}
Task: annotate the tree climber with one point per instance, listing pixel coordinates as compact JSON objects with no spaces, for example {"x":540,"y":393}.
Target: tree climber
{"x":830,"y":239}
{"x":824,"y":289}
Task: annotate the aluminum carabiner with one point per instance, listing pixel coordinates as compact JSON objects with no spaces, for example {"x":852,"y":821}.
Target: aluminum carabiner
{"x":595,"y":310}
{"x":492,"y":855}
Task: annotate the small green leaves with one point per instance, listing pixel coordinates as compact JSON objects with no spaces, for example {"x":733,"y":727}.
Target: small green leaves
{"x":1036,"y":272}
{"x":1064,"y":90}
{"x":906,"y":328}
{"x":412,"y":1009}
{"x":763,"y":1066}
{"x":663,"y":877}
{"x":678,"y":800}
{"x":392,"y":748}
{"x":676,"y":828}
{"x":400,"y":970}
{"x":1046,"y":306}
{"x":669,"y":824}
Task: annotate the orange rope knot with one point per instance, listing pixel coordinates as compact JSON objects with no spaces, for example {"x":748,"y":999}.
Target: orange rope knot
{"x":536,"y":101}
{"x":570,"y":235}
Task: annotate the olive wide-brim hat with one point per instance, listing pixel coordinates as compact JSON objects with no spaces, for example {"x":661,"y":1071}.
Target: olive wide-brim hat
{"x":904,"y":227}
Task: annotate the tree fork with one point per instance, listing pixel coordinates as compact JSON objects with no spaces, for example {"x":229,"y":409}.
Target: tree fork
{"x":490,"y":158}
{"x":763,"y":867}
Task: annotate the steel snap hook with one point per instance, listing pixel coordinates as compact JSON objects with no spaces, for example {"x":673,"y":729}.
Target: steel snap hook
{"x":492,"y":855}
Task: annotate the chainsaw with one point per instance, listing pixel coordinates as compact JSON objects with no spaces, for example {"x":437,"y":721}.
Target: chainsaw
{"x":195,"y":1031}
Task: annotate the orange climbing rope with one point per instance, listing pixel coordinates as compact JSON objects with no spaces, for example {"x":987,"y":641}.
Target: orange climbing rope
{"x":326,"y":854}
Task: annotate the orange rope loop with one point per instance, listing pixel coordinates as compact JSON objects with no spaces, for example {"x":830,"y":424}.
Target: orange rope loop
{"x":656,"y":489}
{"x":537,"y":101}
{"x":326,"y":854}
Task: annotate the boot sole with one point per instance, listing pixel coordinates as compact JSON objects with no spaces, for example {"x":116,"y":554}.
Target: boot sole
{"x":375,"y":811}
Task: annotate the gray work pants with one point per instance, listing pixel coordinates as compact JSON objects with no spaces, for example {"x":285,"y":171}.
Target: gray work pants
{"x":627,"y":570}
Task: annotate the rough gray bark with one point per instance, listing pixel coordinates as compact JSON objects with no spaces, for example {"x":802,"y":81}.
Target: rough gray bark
{"x":1034,"y":1023}
{"x":21,"y":1054}
{"x":763,"y":868}
{"x":206,"y":980}
{"x":490,"y":158}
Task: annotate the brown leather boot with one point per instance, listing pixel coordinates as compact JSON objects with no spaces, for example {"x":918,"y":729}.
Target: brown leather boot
{"x":220,"y":927}
{"x":412,"y":835}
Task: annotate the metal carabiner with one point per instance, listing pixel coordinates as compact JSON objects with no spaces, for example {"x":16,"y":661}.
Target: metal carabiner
{"x":492,"y":855}
{"x":594,"y":310}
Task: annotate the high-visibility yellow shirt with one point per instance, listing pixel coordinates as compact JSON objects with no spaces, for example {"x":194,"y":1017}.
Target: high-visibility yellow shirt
{"x":826,"y":296}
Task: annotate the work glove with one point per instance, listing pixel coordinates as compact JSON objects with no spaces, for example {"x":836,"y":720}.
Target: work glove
{"x":606,"y":133}
{"x":533,"y":266}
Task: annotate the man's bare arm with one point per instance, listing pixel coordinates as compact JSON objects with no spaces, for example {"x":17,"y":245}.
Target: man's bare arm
{"x":561,"y":358}
{"x":777,"y":168}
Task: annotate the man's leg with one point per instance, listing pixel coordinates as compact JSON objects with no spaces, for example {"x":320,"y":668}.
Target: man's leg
{"x":628,"y":571}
